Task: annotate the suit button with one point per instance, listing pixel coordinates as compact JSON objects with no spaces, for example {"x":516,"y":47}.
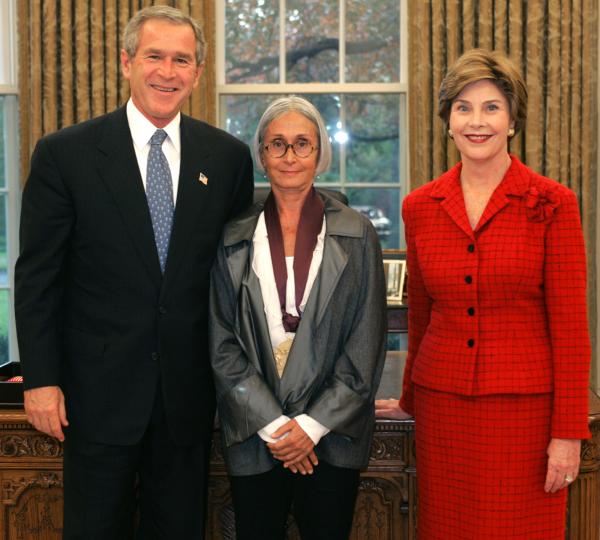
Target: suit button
{"x":470,"y":343}
{"x":471,"y":248}
{"x":471,"y":311}
{"x":468,"y":279}
{"x":162,"y":310}
{"x":155,"y":356}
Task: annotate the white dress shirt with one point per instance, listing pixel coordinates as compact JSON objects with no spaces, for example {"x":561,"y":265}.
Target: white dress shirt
{"x":263,"y":268}
{"x":141,"y":132}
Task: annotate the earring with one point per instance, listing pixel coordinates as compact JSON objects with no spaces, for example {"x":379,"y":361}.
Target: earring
{"x":511,"y":132}
{"x":450,"y":134}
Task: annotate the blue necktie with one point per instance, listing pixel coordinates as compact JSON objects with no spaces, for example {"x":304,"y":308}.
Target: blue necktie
{"x":159,"y":192}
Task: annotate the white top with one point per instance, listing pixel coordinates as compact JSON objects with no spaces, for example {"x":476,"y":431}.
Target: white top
{"x":263,"y":268}
{"x":141,"y":132}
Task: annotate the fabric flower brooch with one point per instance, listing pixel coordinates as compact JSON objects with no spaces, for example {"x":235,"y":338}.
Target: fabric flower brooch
{"x":540,"y":204}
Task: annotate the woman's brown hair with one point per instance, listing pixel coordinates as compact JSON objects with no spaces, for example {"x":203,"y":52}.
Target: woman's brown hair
{"x":481,"y":64}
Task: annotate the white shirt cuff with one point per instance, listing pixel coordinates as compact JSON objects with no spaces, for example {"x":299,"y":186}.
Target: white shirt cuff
{"x":313,"y":429}
{"x":266,"y":432}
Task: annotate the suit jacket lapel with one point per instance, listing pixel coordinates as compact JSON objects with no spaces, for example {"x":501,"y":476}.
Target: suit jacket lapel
{"x":118,"y":167}
{"x":333,"y":264}
{"x":192,"y":196}
{"x":453,"y":203}
{"x":334,"y":257}
{"x":448,"y":188}
{"x":497,"y":202}
{"x":514,"y":183}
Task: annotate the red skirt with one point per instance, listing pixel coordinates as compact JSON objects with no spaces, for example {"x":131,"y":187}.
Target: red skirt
{"x":481,"y":468}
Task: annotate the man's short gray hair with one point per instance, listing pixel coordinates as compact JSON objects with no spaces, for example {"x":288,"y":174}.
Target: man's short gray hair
{"x":131,"y":36}
{"x":282,"y":106}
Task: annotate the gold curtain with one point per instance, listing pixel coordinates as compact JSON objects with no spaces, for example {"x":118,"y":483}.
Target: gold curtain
{"x":69,"y":63}
{"x":555,"y":43}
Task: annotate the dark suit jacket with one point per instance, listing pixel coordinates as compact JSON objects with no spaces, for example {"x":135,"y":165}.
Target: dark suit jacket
{"x":94,"y":314}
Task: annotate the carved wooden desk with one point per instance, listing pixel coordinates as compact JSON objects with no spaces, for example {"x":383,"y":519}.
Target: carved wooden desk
{"x":31,"y":485}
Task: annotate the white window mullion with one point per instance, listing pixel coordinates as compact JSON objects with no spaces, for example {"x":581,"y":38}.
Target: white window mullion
{"x":403,"y":41}
{"x":342,"y":41}
{"x":12,"y":209}
{"x":343,"y":153}
{"x":11,"y":191}
{"x":403,"y":161}
{"x":8,"y":50}
{"x":220,"y":21}
{"x":403,"y":154}
{"x":313,"y":88}
{"x":282,"y":43}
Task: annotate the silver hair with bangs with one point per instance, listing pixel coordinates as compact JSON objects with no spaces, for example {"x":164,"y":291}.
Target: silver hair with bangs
{"x":282,"y":106}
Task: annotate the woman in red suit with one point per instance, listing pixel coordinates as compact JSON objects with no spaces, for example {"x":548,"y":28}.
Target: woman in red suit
{"x":498,"y":351}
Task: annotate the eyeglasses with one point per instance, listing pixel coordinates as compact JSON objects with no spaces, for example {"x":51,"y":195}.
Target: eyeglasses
{"x":278,"y":148}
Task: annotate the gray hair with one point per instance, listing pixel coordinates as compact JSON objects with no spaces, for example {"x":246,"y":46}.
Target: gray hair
{"x":131,"y":36}
{"x":282,"y":106}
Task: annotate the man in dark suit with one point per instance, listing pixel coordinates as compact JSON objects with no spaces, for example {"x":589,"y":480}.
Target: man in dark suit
{"x":120,"y":221}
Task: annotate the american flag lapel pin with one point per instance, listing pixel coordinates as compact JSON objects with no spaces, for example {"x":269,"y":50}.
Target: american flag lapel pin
{"x":203,"y":179}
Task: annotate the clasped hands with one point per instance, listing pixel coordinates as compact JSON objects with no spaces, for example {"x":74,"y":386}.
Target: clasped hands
{"x":294,"y":447}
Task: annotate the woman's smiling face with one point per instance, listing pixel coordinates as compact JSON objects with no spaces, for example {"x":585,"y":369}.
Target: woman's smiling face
{"x":479,"y":121}
{"x":290,"y":172}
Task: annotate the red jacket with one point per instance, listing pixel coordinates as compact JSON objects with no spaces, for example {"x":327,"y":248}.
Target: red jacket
{"x":500,"y":309}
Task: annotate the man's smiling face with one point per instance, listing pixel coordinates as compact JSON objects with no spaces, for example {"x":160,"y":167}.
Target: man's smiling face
{"x":163,"y":72}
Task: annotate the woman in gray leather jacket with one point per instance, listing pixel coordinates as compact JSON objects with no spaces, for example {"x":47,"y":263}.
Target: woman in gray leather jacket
{"x":297,"y":339}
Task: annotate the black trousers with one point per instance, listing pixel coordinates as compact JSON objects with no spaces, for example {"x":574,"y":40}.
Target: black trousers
{"x":105,"y":485}
{"x":322,"y":503}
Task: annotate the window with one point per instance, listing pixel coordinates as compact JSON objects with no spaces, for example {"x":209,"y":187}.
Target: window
{"x":346,"y":56}
{"x":9,"y":177}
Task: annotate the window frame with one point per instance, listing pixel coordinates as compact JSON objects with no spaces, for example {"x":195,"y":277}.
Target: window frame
{"x":12,"y":190}
{"x":341,"y":88}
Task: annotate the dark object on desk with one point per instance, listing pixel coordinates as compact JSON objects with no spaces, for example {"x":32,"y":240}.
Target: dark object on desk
{"x":398,"y":319}
{"x":11,"y":392}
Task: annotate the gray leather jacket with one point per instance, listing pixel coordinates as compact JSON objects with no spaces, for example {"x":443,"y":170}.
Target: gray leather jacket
{"x":335,"y":363}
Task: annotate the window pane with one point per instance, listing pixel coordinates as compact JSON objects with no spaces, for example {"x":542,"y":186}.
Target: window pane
{"x":241,"y":116}
{"x":312,"y":41}
{"x":382,"y":207}
{"x":372,"y":125}
{"x":2,"y":144}
{"x":4,"y":326}
{"x":3,"y":244}
{"x":242,"y":113}
{"x":329,"y":106}
{"x":372,"y":41}
{"x":252,"y":41}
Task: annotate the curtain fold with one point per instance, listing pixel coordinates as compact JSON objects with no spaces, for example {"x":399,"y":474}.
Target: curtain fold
{"x":555,"y":44}
{"x":69,"y":63}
